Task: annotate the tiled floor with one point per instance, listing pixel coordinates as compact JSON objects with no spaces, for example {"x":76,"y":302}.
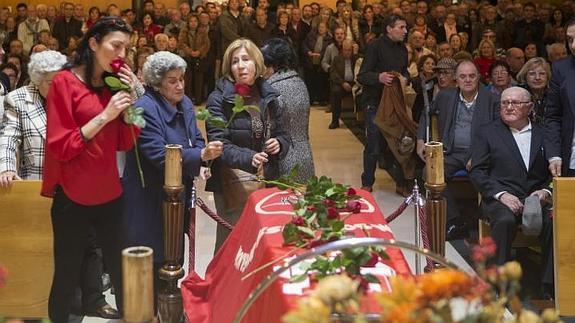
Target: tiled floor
{"x":337,"y":154}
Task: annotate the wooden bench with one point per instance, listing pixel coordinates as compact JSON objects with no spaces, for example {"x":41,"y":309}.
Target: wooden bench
{"x":25,"y":250}
{"x":564,"y":244}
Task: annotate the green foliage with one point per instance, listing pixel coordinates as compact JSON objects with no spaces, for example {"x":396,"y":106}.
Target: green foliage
{"x":321,"y":209}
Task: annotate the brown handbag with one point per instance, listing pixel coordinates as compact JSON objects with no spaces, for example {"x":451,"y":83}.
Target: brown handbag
{"x":237,"y":185}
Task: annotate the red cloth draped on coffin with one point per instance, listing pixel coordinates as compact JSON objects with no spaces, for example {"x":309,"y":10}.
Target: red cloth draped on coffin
{"x":257,"y":240}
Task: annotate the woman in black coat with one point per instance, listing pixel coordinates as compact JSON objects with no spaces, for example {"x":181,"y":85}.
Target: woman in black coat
{"x":254,"y":142}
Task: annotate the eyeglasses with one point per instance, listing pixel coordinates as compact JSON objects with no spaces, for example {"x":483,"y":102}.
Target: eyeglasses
{"x":536,"y":74}
{"x":513,"y":104}
{"x":118,"y":23}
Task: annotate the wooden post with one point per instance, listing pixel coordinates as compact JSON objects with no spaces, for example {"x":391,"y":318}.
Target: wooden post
{"x":170,"y":297}
{"x":138,"y":271}
{"x":436,"y":207}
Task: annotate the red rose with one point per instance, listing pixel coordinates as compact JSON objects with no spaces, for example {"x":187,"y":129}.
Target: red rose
{"x":116,"y":65}
{"x":298,"y":220}
{"x":317,"y":243}
{"x":353,"y":206}
{"x":332,"y":213}
{"x":351,"y":191}
{"x":311,"y":208}
{"x":372,"y":261}
{"x":328,"y":203}
{"x":242,"y":89}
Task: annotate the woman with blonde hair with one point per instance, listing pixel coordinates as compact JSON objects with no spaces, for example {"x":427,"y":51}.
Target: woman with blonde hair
{"x":254,"y":142}
{"x":485,"y":58}
{"x":534,"y":76}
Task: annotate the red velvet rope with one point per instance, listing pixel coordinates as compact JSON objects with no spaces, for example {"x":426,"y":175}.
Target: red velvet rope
{"x":213,"y":215}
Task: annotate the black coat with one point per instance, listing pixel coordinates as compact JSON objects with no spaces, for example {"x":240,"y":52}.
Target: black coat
{"x":382,"y":55}
{"x":239,"y":144}
{"x":497,"y":165}
{"x":445,"y":105}
{"x":560,"y":113}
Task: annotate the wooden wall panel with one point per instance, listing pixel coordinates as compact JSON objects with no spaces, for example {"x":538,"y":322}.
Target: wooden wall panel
{"x":564,"y":244}
{"x":25,"y":250}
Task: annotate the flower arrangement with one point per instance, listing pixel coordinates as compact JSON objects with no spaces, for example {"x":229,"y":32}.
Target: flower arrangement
{"x":320,"y":211}
{"x":133,"y":115}
{"x":429,"y":297}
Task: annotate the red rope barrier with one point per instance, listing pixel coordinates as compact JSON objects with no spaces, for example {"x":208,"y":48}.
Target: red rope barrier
{"x":212,"y":214}
{"x":397,"y":212}
{"x":192,"y":240}
{"x":424,"y":236}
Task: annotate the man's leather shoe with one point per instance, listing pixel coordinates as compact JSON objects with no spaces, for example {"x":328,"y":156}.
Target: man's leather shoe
{"x":334,"y":125}
{"x":455,"y":231}
{"x":106,"y":312}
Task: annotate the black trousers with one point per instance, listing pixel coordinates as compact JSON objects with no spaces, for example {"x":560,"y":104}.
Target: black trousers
{"x":72,"y":225}
{"x":503,"y":224}
{"x":337,"y":95}
{"x":453,"y":162}
{"x":88,"y":295}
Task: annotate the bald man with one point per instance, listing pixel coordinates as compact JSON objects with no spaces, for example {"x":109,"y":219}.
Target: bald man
{"x":508,"y":166}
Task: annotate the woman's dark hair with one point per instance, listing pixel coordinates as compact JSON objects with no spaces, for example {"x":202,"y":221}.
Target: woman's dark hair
{"x":101,"y":28}
{"x":423,"y":59}
{"x":552,"y":18}
{"x":279,"y":55}
{"x":92,"y":9}
{"x":499,"y":64}
{"x":367,"y":6}
{"x":151,"y":17}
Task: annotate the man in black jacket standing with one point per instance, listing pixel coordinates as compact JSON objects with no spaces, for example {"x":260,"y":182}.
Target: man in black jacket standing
{"x":560,"y":113}
{"x":386,"y":54}
{"x":508,"y":166}
{"x":67,"y":26}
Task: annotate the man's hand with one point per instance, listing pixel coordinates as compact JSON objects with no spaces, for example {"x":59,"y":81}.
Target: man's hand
{"x":7,"y":177}
{"x":544,"y":196}
{"x":468,"y":165}
{"x":386,"y":78}
{"x":555,"y":167}
{"x":512,"y":202}
{"x":420,"y":149}
{"x":346,"y":86}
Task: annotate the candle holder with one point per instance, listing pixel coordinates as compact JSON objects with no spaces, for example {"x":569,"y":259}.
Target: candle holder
{"x":138,"y":284}
{"x":170,"y":297}
{"x":436,"y":206}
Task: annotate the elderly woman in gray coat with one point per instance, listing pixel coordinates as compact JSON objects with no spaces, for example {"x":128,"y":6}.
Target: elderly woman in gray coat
{"x":281,"y":62}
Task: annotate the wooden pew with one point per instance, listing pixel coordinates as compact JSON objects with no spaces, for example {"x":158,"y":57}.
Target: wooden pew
{"x":25,"y":250}
{"x":564,"y":244}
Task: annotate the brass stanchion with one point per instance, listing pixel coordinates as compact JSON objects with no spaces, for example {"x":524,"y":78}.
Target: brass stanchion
{"x":436,"y":205}
{"x":170,"y":297}
{"x":138,"y":271}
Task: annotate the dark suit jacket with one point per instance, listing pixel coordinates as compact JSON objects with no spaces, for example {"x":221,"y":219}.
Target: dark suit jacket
{"x":445,"y":105}
{"x":497,"y":164}
{"x":337,"y":70}
{"x":560,"y":113}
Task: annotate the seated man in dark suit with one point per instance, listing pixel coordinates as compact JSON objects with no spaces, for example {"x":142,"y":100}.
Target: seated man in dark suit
{"x":461,"y":111}
{"x":509,"y":165}
{"x":342,"y":79}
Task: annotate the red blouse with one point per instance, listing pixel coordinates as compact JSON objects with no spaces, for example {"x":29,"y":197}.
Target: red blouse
{"x":85,"y":169}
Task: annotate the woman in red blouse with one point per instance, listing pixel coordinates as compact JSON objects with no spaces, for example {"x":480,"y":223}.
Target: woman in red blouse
{"x":84,"y":132}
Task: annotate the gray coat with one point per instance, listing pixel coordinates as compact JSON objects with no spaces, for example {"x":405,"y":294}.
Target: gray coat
{"x":294,"y":101}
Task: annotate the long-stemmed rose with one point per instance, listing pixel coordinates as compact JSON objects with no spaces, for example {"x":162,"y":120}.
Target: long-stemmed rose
{"x":239,"y":106}
{"x":133,"y":116}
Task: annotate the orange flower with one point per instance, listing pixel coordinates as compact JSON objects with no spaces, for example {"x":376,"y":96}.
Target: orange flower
{"x":445,"y":283}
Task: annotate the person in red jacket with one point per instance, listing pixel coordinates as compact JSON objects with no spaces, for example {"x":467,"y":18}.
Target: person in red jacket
{"x":84,"y":131}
